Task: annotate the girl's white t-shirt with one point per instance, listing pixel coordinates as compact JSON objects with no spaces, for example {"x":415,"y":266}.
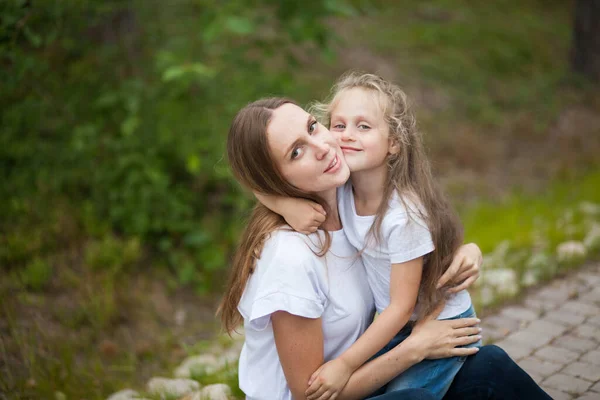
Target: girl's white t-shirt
{"x":405,"y":236}
{"x":290,"y":277}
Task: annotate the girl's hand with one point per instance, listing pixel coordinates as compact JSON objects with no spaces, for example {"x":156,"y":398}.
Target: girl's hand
{"x":302,"y":215}
{"x":439,"y":339}
{"x":464,"y":269}
{"x":328,"y":381}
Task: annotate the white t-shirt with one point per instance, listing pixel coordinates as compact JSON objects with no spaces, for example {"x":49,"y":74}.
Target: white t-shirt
{"x":405,"y":236}
{"x":290,"y":277}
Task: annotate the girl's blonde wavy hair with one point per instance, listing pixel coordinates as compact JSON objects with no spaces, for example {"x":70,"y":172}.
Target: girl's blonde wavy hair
{"x":409,"y":175}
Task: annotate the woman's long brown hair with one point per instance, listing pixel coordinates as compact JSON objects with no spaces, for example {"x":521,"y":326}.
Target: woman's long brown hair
{"x":253,"y":166}
{"x":409,"y":175}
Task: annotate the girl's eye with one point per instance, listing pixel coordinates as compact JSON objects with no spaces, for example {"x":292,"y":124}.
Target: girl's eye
{"x":363,"y":126}
{"x":297,"y":152}
{"x":312,"y":127}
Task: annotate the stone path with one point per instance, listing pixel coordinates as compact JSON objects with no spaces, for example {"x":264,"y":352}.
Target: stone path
{"x":554,"y":334}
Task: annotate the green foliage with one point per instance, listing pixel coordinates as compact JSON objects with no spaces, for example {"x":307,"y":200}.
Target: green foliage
{"x":115,"y":115}
{"x":36,"y":274}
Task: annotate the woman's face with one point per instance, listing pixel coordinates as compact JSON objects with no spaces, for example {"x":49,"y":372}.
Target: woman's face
{"x":307,"y":155}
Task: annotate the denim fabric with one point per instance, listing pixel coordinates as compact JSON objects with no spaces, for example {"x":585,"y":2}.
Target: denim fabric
{"x":492,"y":375}
{"x":433,"y":375}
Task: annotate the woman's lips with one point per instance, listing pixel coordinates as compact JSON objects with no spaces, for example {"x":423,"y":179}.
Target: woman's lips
{"x":334,"y":165}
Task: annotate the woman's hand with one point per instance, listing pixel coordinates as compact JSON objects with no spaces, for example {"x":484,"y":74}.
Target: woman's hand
{"x":464,"y":269}
{"x":439,"y":339}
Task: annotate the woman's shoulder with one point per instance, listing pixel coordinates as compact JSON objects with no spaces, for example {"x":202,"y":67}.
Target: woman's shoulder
{"x":291,"y":246}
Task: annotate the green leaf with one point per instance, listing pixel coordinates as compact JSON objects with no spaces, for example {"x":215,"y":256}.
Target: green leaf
{"x":239,"y":25}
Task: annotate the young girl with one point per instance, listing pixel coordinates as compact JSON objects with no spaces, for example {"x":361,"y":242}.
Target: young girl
{"x":405,"y":229}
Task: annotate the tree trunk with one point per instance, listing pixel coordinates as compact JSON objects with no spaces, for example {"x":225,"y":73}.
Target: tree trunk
{"x":585,"y":53}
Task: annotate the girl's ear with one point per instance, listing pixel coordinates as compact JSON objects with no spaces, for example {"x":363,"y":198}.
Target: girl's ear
{"x":394,"y":146}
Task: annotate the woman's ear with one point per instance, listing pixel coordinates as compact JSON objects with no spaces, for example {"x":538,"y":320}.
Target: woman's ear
{"x":394,"y":147}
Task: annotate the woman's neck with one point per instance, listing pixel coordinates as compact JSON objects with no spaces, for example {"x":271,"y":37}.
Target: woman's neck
{"x":368,"y":187}
{"x":332,"y":222}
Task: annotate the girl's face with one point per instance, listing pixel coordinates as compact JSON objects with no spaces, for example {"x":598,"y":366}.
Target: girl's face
{"x":305,"y":152}
{"x":358,"y":124}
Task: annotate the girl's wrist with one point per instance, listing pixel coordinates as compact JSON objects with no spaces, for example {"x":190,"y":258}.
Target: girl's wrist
{"x":411,"y":348}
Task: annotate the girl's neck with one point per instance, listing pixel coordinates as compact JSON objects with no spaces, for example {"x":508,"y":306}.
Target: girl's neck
{"x":332,"y":222}
{"x":368,"y":188}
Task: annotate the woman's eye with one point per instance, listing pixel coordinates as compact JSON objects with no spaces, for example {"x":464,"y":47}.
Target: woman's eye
{"x":297,"y":152}
{"x":339,"y":126}
{"x":312,"y":127}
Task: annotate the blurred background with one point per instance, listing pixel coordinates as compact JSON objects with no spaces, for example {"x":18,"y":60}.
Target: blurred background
{"x":118,"y":212}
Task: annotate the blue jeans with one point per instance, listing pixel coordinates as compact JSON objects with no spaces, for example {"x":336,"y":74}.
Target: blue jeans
{"x":488,"y":375}
{"x":432,"y":375}
{"x":492,"y":375}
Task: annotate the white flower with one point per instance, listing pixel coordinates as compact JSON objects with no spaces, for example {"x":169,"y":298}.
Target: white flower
{"x":173,"y":387}
{"x":486,"y":295}
{"x":529,"y":278}
{"x":504,"y":280}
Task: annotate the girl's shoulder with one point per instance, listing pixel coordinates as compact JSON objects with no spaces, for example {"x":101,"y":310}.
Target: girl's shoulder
{"x":403,"y":210}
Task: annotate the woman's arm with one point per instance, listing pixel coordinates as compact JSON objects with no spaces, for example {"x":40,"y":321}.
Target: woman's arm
{"x":404,"y":287}
{"x":464,"y":269}
{"x":299,"y":343}
{"x":302,"y":215}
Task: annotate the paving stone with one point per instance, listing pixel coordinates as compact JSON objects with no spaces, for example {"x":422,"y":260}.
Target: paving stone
{"x":555,"y":294}
{"x":583,"y":370}
{"x":539,"y":305}
{"x":567,"y":383}
{"x":581,"y":308}
{"x":596,"y":387}
{"x":564,"y":318}
{"x":589,"y":396}
{"x":592,"y":296}
{"x":546,"y":327}
{"x":503,"y":324}
{"x":592,"y":357}
{"x":557,"y":394}
{"x":587,"y":331}
{"x":515,"y":350}
{"x":594,"y":320}
{"x":556,"y":354}
{"x":536,"y":366}
{"x":574,"y":343}
{"x":529,"y":339}
{"x":519,"y":313}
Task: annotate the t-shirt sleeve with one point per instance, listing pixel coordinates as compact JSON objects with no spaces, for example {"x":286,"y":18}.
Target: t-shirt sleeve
{"x":293,"y":283}
{"x":407,"y":236}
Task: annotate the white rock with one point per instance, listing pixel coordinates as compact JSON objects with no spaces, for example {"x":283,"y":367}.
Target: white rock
{"x":486,"y":295}
{"x":174,"y":387}
{"x":570,"y":251}
{"x":592,"y":239}
{"x":529,"y":278}
{"x":589,"y":208}
{"x":180,"y":317}
{"x":218,"y":391}
{"x":202,"y":364}
{"x":502,"y":279}
{"x":125,"y":394}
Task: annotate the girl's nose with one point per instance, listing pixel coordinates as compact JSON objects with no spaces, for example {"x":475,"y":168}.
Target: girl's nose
{"x":347,"y":134}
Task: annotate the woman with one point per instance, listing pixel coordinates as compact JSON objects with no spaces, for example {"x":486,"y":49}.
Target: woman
{"x":304,"y":299}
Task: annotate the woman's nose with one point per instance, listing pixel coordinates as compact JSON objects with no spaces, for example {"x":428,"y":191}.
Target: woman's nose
{"x":321,"y":149}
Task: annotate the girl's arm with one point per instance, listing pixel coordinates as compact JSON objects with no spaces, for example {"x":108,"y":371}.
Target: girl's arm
{"x":302,"y":215}
{"x":404,"y":287}
{"x":464,"y":269}
{"x":299,"y":343}
{"x":429,"y":339}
